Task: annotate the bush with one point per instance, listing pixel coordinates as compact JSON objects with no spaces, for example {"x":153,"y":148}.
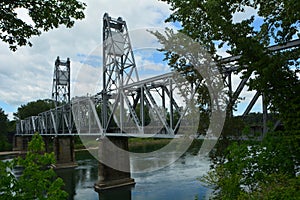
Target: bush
{"x":38,"y":180}
{"x":265,"y":170}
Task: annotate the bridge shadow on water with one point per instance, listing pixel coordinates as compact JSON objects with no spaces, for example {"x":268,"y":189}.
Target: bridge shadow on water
{"x":119,"y":193}
{"x":177,"y":181}
{"x":79,"y":181}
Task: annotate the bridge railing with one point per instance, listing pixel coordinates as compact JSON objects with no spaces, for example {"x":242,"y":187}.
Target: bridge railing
{"x":52,"y":122}
{"x":85,"y":116}
{"x":80,"y":117}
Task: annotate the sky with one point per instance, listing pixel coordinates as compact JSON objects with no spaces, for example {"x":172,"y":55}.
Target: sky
{"x":27,"y":74}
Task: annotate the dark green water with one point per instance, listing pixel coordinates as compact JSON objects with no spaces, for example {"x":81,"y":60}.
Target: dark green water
{"x":177,"y":181}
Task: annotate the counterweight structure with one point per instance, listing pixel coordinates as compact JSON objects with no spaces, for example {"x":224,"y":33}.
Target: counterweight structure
{"x":61,"y":82}
{"x":123,"y":92}
{"x":119,"y":67}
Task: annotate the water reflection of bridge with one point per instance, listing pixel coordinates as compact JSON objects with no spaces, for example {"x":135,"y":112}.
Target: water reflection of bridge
{"x":126,"y":107}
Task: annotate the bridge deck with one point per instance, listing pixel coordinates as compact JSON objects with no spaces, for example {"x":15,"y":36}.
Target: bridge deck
{"x":129,"y":135}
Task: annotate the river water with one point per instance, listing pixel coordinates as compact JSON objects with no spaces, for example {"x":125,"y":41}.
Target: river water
{"x":177,"y":181}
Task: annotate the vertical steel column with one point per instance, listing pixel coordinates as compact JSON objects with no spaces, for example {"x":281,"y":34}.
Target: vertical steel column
{"x":163,"y":97}
{"x":171,"y":104}
{"x":104,"y":90}
{"x":122,"y":114}
{"x":230,"y":93}
{"x":265,"y":115}
{"x":142,"y":109}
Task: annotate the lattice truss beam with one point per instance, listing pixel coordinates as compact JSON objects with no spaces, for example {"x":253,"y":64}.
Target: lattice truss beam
{"x":149,"y":106}
{"x":144,"y":107}
{"x":230,"y":66}
{"x":58,"y":121}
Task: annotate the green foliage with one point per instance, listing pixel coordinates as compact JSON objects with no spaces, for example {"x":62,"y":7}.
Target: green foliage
{"x":176,"y":117}
{"x":3,"y":122}
{"x":252,"y":171}
{"x":146,"y":114}
{"x":233,"y":127}
{"x":34,"y":108}
{"x":275,"y":75}
{"x":256,"y":171}
{"x":4,"y":128}
{"x":213,"y":20}
{"x":37,"y":181}
{"x":278,"y":186}
{"x":45,"y":15}
{"x":7,"y":180}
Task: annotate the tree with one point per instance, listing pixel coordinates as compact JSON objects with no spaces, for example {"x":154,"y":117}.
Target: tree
{"x":278,"y":24}
{"x":45,"y":15}
{"x":3,"y":131}
{"x":275,"y":74}
{"x":37,"y":181}
{"x":34,"y":108}
{"x":255,"y":171}
{"x":146,"y":114}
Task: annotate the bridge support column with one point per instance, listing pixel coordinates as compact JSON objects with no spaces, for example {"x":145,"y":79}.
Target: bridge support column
{"x":20,"y":143}
{"x":109,"y":177}
{"x":47,"y":141}
{"x":64,"y":152}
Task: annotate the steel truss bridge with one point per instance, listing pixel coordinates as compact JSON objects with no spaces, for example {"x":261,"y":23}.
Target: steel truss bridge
{"x":127,"y":106}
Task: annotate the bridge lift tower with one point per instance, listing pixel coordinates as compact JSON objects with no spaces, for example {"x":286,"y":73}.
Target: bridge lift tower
{"x":123,"y":92}
{"x":119,"y":67}
{"x":61,"y":82}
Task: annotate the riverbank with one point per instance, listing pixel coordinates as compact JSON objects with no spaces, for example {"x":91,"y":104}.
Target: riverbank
{"x":144,"y":145}
{"x":8,"y":153}
{"x":138,"y":145}
{"x":134,"y":144}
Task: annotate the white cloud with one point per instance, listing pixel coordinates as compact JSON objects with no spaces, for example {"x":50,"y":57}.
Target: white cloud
{"x":248,"y":12}
{"x":246,"y":96}
{"x":26,"y":75}
{"x":86,"y":79}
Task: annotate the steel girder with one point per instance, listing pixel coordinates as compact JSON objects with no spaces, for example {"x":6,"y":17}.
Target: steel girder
{"x":58,"y":121}
{"x":229,"y":66}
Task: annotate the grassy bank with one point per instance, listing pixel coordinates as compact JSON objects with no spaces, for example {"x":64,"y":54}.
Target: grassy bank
{"x":143,"y":145}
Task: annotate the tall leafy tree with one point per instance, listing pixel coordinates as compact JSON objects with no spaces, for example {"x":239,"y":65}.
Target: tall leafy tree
{"x":3,"y":121}
{"x":34,"y":108}
{"x":267,"y":170}
{"x":212,"y":24}
{"x":146,"y":114}
{"x":45,"y":15}
{"x":3,"y":130}
{"x":37,"y":181}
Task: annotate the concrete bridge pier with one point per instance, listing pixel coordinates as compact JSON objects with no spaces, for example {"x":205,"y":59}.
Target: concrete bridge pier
{"x":21,"y":143}
{"x":123,"y":193}
{"x":108,"y":177}
{"x":64,"y":152}
{"x":48,"y":144}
